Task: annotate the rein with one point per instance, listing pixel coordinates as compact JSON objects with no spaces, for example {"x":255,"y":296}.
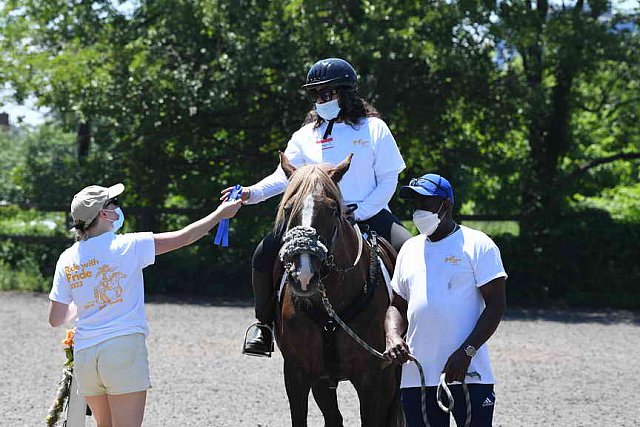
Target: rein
{"x":442,"y":385}
{"x":331,"y":264}
{"x":302,"y":239}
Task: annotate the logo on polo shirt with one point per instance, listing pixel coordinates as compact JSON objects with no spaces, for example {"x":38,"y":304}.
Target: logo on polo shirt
{"x":452,"y":260}
{"x":360,"y":142}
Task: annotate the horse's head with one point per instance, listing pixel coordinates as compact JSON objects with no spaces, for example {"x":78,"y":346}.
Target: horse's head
{"x":310,"y":214}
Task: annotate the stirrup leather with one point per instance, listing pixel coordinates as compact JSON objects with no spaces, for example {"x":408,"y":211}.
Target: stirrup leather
{"x":264,"y":328}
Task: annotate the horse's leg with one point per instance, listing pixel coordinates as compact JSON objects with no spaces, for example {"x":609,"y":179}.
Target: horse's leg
{"x":297,"y":385}
{"x":379,"y":398}
{"x":327,"y":401}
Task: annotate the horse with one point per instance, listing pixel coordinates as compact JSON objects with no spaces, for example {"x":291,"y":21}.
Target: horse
{"x":324,"y":255}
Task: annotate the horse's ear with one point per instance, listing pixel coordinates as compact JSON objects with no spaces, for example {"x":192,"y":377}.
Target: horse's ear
{"x":338,"y":172}
{"x":287,"y":167}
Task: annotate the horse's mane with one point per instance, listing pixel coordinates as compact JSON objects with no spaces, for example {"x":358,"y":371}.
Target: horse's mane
{"x":306,"y":180}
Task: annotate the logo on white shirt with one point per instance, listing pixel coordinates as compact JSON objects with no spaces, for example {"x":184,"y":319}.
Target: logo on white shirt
{"x":108,"y":291}
{"x":452,"y":260}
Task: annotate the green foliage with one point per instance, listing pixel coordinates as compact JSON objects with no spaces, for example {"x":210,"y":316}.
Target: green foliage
{"x":31,"y":222}
{"x":25,"y":276}
{"x":28,"y":266}
{"x":39,"y":167}
{"x":529,"y":107}
{"x":495,"y":228}
{"x":622,"y":202}
{"x":592,"y":261}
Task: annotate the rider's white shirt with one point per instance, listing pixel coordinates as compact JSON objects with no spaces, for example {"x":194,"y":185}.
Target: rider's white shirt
{"x":376,"y":158}
{"x":103,"y":277}
{"x":440,"y":282}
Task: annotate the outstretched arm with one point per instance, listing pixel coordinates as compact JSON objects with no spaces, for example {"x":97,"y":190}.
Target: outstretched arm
{"x":170,"y":241}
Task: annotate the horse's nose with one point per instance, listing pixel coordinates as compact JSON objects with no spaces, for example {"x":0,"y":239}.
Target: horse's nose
{"x":304,"y":273}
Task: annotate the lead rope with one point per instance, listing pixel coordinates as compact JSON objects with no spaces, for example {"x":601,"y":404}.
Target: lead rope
{"x":442,"y":385}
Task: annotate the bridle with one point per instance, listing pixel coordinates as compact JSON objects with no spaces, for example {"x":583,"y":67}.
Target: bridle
{"x":306,"y":239}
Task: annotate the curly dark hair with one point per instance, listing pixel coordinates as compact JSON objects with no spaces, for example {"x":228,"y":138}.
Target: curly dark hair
{"x":352,"y":109}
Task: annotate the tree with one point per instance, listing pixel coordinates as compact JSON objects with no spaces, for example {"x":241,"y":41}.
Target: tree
{"x":573,"y":60}
{"x":528,"y":106}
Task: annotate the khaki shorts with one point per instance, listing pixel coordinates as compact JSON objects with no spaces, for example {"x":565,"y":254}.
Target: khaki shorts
{"x":116,"y":366}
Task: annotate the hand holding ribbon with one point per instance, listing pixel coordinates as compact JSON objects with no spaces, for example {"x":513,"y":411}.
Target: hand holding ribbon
{"x":222,"y":235}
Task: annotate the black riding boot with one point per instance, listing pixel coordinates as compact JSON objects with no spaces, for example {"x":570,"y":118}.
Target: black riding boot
{"x":261,"y":344}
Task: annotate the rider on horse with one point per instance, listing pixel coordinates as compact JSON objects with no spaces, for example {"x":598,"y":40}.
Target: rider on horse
{"x":340,"y":124}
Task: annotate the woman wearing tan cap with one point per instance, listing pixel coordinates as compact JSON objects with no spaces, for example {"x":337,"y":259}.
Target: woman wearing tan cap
{"x":101,"y":274}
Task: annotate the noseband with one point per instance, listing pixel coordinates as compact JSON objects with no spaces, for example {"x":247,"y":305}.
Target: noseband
{"x":302,"y":239}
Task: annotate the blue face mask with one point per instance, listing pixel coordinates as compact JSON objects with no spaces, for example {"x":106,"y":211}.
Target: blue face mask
{"x":328,"y":110}
{"x":117,"y":224}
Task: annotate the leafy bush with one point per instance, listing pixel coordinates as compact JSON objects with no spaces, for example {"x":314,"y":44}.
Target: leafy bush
{"x":25,"y":276}
{"x":588,"y":259}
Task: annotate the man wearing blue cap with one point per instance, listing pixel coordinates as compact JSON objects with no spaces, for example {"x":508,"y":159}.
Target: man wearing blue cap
{"x":449,"y":297}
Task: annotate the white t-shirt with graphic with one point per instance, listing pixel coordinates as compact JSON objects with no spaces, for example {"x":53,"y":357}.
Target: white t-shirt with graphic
{"x":376,"y":158}
{"x":440,"y":281}
{"x":103,"y":277}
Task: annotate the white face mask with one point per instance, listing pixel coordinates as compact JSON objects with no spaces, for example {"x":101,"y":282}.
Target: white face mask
{"x":328,"y":110}
{"x":426,"y":222}
{"x":117,"y":223}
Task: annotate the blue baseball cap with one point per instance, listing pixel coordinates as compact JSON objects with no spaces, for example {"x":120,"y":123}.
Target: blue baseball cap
{"x":430,"y":184}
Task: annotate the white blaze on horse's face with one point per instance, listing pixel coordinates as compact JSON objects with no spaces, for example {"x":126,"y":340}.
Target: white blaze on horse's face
{"x":304,"y":273}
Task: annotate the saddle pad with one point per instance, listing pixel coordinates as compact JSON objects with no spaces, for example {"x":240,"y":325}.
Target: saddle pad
{"x":387,"y":279}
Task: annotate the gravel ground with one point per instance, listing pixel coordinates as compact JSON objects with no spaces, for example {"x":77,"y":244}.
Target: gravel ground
{"x":554,"y":368}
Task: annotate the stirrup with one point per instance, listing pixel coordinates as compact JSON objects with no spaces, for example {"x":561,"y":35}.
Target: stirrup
{"x":263,"y":326}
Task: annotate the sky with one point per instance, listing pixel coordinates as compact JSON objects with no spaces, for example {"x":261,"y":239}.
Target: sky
{"x":29,"y":114}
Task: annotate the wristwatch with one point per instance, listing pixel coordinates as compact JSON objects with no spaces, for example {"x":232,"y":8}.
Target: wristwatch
{"x":470,"y":350}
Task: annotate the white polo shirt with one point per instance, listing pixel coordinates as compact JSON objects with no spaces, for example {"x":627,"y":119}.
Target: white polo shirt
{"x":103,"y":277}
{"x":440,"y":281}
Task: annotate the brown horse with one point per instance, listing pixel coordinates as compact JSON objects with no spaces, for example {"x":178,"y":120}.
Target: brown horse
{"x":322,"y":251}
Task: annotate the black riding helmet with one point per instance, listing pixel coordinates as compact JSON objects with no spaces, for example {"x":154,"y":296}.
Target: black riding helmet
{"x":331,"y":72}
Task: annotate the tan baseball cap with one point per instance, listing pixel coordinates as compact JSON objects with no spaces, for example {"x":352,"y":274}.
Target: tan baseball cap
{"x":90,"y":200}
